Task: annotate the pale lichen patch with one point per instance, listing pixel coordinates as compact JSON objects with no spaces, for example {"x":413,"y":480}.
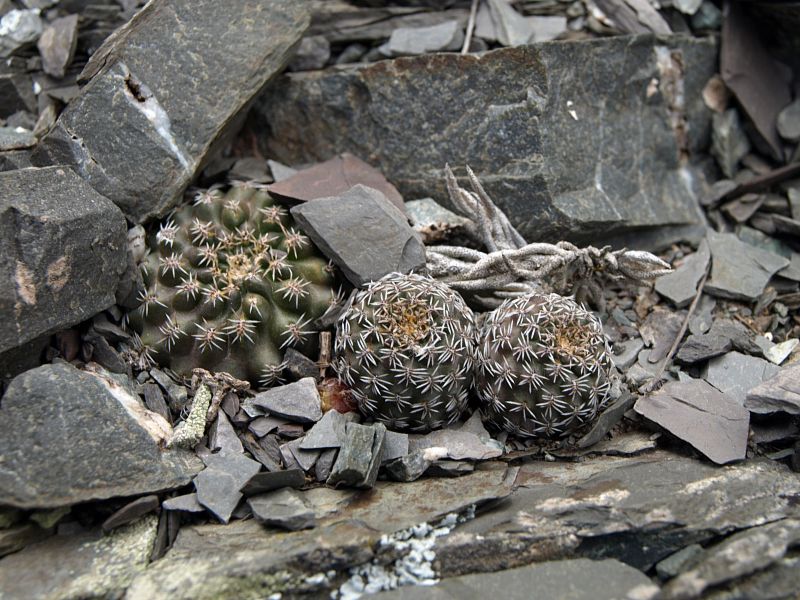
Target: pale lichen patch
{"x":26,"y":288}
{"x":58,"y":273}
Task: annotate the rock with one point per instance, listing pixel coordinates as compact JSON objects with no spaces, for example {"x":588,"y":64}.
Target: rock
{"x":789,"y":122}
{"x":131,"y":512}
{"x":312,"y":53}
{"x":328,"y":432}
{"x":262,"y":426}
{"x":324,"y":464}
{"x":735,"y":374}
{"x":707,"y":17}
{"x":434,"y":223}
{"x":57,"y":45}
{"x":63,"y":251}
{"x":780,"y":392}
{"x":304,"y":458}
{"x":408,"y":41}
{"x":104,"y":354}
{"x":395,"y":445}
{"x":738,"y":270}
{"x":264,"y":450}
{"x":185,"y":503}
{"x":659,"y":331}
{"x":222,"y":436}
{"x":498,"y":21}
{"x":675,"y":563}
{"x":607,"y":419}
{"x":729,"y":142}
{"x":792,"y":271}
{"x":17,"y":29}
{"x":724,"y":335}
{"x":154,"y":401}
{"x":516,"y":131}
{"x":284,"y":508}
{"x":780,"y":352}
{"x":627,"y":352}
{"x":261,"y":483}
{"x":384,"y":243}
{"x":219,"y":485}
{"x":71,"y":436}
{"x":86,"y":565}
{"x":299,"y":365}
{"x":331,"y":178}
{"x":680,"y":286}
{"x":16,"y":94}
{"x":16,"y":138}
{"x":298,"y":401}
{"x":687,"y":7}
{"x":409,"y":467}
{"x":450,"y":468}
{"x":157,"y":106}
{"x":359,"y":457}
{"x":458,"y":445}
{"x":578,"y":579}
{"x":16,"y":537}
{"x":743,"y":553}
{"x":712,"y":422}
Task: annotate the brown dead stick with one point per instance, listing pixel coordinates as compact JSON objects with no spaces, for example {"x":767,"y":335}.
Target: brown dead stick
{"x":684,"y":326}
{"x":763,"y":181}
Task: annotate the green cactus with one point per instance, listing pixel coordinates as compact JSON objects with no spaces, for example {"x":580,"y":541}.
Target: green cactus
{"x":543,"y":366}
{"x":405,"y":346}
{"x":230,"y":284}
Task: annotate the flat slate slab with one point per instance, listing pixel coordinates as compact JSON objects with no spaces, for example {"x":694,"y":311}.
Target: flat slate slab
{"x":736,"y":374}
{"x":298,"y":401}
{"x":284,"y":508}
{"x":696,"y":412}
{"x":781,"y":392}
{"x":382,"y":243}
{"x":158,"y":102}
{"x":610,"y":169}
{"x":62,"y":252}
{"x":680,"y":286}
{"x":738,"y":270}
{"x":69,"y":436}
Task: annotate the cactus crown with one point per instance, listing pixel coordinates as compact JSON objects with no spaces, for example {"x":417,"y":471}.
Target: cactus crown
{"x":230,"y":283}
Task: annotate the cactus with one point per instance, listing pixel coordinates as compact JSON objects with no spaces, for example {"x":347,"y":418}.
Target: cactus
{"x":229,"y":284}
{"x":543,"y":366}
{"x":405,"y":346}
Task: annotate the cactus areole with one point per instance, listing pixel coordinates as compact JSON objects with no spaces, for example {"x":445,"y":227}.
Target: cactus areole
{"x":543,"y":366}
{"x":406,"y":348}
{"x":230,"y":284}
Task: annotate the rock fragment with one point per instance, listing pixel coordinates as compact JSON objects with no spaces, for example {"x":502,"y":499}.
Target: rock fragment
{"x":789,"y":122}
{"x":680,"y":286}
{"x":457,"y":445}
{"x":360,"y":456}
{"x":699,"y":414}
{"x":724,"y":335}
{"x":312,"y":53}
{"x":735,"y":374}
{"x":63,"y":251}
{"x":284,"y":508}
{"x":298,"y":401}
{"x":19,"y":28}
{"x":409,"y":41}
{"x":781,"y":392}
{"x":57,"y":45}
{"x":185,"y":503}
{"x":156,"y":105}
{"x":70,"y":437}
{"x":738,"y":270}
{"x":131,"y":512}
{"x":408,"y":468}
{"x":384,"y":242}
{"x":328,"y":432}
{"x":261,"y":483}
{"x":729,"y":142}
{"x":219,"y":484}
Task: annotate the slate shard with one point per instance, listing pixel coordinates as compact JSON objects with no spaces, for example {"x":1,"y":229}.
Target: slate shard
{"x":62,"y":251}
{"x":781,"y":392}
{"x":680,"y":286}
{"x":699,"y":414}
{"x":298,"y":401}
{"x":735,"y":374}
{"x":284,"y":508}
{"x":157,"y":104}
{"x":359,"y":457}
{"x":516,"y":131}
{"x":384,"y":242}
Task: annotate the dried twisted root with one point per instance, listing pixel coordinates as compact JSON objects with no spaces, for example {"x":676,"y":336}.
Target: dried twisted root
{"x":513,"y":268}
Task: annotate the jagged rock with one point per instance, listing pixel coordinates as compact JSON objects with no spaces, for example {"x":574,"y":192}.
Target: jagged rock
{"x":298,"y":401}
{"x":781,"y":392}
{"x":675,"y":563}
{"x":304,"y":458}
{"x":680,"y":286}
{"x":186,"y":503}
{"x":607,"y":419}
{"x":743,"y":553}
{"x":738,"y":270}
{"x":458,"y":445}
{"x":131,"y":512}
{"x":328,"y":432}
{"x":219,"y":484}
{"x":17,"y":29}
{"x":262,"y":426}
{"x":395,"y":445}
{"x":57,"y":44}
{"x":516,"y":131}
{"x":261,"y":483}
{"x":69,"y":436}
{"x":735,"y":374}
{"x":578,"y":579}
{"x":406,"y":41}
{"x":283,"y":508}
{"x":62,"y":251}
{"x":409,"y":467}
{"x":434,"y":222}
{"x":158,"y":105}
{"x":626,"y":352}
{"x":360,"y":456}
{"x":724,"y":335}
{"x":712,"y":422}
{"x":16,"y":537}
{"x":729,"y":142}
{"x":384,"y":242}
{"x":83,"y":565}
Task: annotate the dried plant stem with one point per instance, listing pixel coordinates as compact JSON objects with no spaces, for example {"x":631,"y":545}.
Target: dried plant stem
{"x":473,"y":11}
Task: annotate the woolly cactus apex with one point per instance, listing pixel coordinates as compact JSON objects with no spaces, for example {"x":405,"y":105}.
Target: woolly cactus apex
{"x":230,"y":284}
{"x":405,"y":346}
{"x":543,"y":366}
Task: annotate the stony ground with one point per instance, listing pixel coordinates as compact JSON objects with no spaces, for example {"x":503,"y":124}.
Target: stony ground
{"x":121,"y":479}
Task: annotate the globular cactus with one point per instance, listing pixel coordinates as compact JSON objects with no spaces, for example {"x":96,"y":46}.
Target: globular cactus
{"x":543,"y":366}
{"x":405,"y":346}
{"x":230,"y":284}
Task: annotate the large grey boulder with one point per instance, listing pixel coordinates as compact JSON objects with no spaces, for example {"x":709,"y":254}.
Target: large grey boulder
{"x":62,"y":251}
{"x":70,"y":436}
{"x":165,"y":89}
{"x":580,"y":140}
